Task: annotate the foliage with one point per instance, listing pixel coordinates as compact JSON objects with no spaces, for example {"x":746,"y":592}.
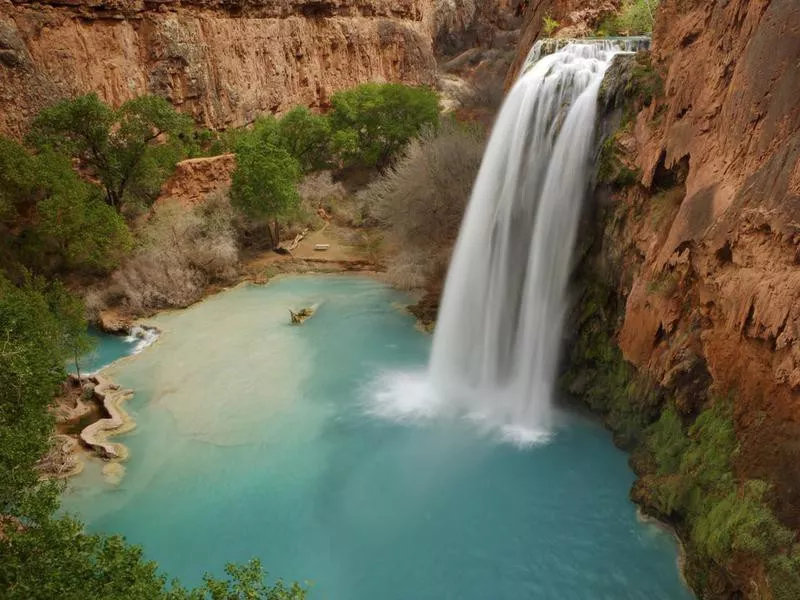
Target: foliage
{"x":373,"y":122}
{"x":70,"y":313}
{"x":180,"y":253}
{"x":696,"y":481}
{"x":130,"y":151}
{"x":306,"y":136}
{"x":264,"y":183}
{"x":611,"y":169}
{"x":55,"y":559}
{"x":56,"y":219}
{"x":645,"y":84}
{"x":549,"y":25}
{"x":667,"y":442}
{"x":635,"y":17}
{"x":32,"y":355}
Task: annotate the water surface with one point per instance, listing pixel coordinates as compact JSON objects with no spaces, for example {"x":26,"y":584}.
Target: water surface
{"x":255,"y":438}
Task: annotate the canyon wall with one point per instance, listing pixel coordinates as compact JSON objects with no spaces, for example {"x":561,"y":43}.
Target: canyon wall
{"x":222,"y":62}
{"x":728,"y":124}
{"x":690,"y":265}
{"x":695,"y":275}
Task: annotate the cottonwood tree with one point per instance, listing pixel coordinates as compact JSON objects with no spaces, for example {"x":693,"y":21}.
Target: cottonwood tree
{"x":264,"y":183}
{"x":373,"y":122}
{"x":130,"y":150}
{"x":52,"y":218}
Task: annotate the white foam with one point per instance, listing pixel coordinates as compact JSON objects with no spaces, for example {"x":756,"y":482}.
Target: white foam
{"x":402,"y":396}
{"x":143,"y":336}
{"x":410,"y":397}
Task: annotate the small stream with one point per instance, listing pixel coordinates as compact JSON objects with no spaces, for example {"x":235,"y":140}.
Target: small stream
{"x":256,"y":438}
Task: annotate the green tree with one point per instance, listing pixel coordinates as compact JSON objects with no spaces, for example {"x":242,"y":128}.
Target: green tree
{"x":70,"y":314}
{"x":373,"y":122}
{"x":264,"y":183}
{"x":31,"y":368}
{"x":54,"y":219}
{"x":635,"y":17}
{"x":306,"y":136}
{"x":130,"y":150}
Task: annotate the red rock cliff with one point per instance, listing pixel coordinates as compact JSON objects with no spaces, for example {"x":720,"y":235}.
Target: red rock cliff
{"x":224,"y":62}
{"x":729,"y":118}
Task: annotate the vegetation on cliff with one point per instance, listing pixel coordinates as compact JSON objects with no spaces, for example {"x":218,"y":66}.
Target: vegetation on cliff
{"x":681,"y":430}
{"x":635,"y":17}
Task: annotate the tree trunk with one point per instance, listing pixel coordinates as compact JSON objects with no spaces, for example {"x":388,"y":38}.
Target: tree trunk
{"x":77,"y":366}
{"x":276,"y":237}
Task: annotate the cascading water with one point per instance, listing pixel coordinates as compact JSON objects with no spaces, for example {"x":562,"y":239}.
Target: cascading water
{"x":497,"y":339}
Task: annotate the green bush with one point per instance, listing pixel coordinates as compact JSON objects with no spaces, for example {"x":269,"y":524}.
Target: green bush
{"x":741,"y":521}
{"x":610,"y":168}
{"x":549,"y":25}
{"x":667,"y":441}
{"x":635,"y":17}
{"x":372,"y":123}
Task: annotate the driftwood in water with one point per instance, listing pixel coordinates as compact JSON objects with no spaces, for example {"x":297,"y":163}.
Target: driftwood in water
{"x":301,"y":315}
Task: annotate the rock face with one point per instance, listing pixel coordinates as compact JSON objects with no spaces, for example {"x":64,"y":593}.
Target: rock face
{"x":733,"y":246}
{"x":195,"y":178}
{"x":222,"y":62}
{"x":705,"y":232}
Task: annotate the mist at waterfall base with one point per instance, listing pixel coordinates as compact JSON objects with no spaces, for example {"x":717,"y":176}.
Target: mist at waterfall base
{"x":257,"y":438}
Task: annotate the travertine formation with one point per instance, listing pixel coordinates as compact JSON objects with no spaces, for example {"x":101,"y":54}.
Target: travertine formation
{"x":223,"y":62}
{"x":96,"y":435}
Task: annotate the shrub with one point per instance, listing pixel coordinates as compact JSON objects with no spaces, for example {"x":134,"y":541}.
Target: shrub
{"x":667,"y":441}
{"x":741,"y":521}
{"x":549,"y":25}
{"x":635,"y":17}
{"x":423,"y":197}
{"x":181,"y":252}
{"x":373,"y":122}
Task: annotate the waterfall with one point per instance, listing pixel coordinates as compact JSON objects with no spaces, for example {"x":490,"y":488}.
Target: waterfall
{"x":497,"y":339}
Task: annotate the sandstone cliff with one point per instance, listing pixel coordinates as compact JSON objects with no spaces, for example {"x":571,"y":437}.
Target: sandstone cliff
{"x":730,"y":248}
{"x":222,"y":62}
{"x":700,"y":247}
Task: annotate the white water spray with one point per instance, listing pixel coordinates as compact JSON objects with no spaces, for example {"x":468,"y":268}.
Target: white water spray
{"x":497,"y":340}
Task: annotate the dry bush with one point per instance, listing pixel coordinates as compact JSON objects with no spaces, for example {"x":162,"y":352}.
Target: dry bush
{"x":180,"y":253}
{"x":422,"y":199}
{"x":319,"y":190}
